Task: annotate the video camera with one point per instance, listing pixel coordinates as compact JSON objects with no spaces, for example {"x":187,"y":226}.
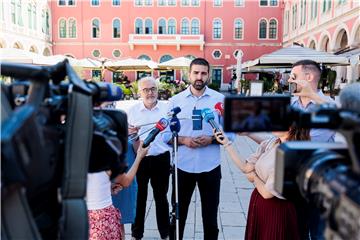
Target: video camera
{"x":327,"y":175}
{"x":51,"y":137}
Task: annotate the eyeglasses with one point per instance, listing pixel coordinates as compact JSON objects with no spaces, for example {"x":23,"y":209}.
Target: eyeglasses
{"x":148,"y":90}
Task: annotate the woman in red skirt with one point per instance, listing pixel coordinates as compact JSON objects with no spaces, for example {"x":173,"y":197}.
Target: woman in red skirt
{"x":270,"y":216}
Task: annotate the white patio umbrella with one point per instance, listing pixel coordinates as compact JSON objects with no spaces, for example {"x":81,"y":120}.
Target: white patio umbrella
{"x":17,"y":55}
{"x":176,"y":63}
{"x":285,"y":57}
{"x":130,"y":64}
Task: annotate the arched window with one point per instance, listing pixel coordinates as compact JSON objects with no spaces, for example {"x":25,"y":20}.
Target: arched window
{"x":162,"y":26}
{"x":72,"y":28}
{"x":139,"y":26}
{"x":34,"y":17}
{"x":262,"y":28}
{"x":185,"y":26}
{"x":19,"y":13}
{"x":148,"y":26}
{"x":47,"y":22}
{"x":116,"y":28}
{"x":62,"y":28}
{"x":217,"y":29}
{"x":238,"y":29}
{"x":29,"y":16}
{"x":195,"y":28}
{"x":95,"y":28}
{"x":165,"y":58}
{"x":46,"y":52}
{"x":273,"y":29}
{"x":171,"y":26}
{"x":144,"y":57}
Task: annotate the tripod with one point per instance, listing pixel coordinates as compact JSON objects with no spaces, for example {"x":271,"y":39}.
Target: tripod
{"x":175,"y":128}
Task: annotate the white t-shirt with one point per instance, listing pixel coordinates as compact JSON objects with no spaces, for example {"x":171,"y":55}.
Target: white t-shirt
{"x":98,"y":191}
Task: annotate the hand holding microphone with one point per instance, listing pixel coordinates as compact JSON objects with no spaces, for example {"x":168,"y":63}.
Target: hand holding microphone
{"x":160,"y":126}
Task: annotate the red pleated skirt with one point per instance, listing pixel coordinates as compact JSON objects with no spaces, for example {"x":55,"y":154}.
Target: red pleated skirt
{"x":271,"y":219}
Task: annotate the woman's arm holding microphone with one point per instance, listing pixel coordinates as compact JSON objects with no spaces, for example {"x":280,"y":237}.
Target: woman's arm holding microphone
{"x":229,"y":148}
{"x":125,"y":179}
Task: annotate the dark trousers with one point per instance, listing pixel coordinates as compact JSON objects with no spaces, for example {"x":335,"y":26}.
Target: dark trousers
{"x":155,"y":169}
{"x":209,"y":188}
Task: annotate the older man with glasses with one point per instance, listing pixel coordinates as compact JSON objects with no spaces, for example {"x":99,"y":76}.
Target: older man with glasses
{"x":155,"y":167}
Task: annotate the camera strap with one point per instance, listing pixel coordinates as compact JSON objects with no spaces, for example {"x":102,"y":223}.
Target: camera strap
{"x":78,"y":140}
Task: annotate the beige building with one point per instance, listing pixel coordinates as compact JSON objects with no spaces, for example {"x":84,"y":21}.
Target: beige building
{"x":26,"y":25}
{"x":326,"y":25}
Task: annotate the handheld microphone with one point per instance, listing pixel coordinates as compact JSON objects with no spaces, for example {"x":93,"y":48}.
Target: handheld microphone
{"x":175,"y":124}
{"x":219,"y":108}
{"x":209,"y":117}
{"x":173,"y":112}
{"x":105,"y":92}
{"x":160,"y":126}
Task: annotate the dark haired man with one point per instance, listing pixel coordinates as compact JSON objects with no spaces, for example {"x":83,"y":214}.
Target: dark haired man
{"x":198,"y":153}
{"x":306,"y":75}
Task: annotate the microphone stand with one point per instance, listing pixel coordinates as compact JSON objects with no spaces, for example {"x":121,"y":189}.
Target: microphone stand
{"x":175,"y":128}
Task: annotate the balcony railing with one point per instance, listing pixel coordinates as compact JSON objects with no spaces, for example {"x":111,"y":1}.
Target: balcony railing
{"x":177,"y":40}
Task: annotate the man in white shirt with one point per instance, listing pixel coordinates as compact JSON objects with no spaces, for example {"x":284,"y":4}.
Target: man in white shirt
{"x":155,"y":167}
{"x":306,"y":75}
{"x":198,"y":152}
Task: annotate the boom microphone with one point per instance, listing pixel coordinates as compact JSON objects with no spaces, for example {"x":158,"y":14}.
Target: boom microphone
{"x":160,"y":126}
{"x":219,"y":108}
{"x":209,"y":117}
{"x":173,"y":112}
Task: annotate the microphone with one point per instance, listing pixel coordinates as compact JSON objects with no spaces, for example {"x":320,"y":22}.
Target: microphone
{"x":105,"y":92}
{"x":175,"y":125}
{"x":219,"y":108}
{"x":209,"y":117}
{"x":173,"y":112}
{"x":160,"y":126}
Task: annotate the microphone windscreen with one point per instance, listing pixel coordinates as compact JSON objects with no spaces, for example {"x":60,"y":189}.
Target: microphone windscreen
{"x":162,"y":124}
{"x":176,"y":110}
{"x":207,"y":114}
{"x":219,"y":108}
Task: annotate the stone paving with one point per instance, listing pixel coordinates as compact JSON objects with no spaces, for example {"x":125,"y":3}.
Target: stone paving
{"x":234,"y":200}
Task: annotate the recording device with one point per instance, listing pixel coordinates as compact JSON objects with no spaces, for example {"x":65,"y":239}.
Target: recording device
{"x":160,"y":126}
{"x":292,"y":88}
{"x":326,"y":175}
{"x":254,"y":114}
{"x":51,"y":137}
{"x":209,"y":117}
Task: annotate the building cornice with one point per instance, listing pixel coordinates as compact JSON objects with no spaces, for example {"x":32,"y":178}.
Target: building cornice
{"x":331,"y":23}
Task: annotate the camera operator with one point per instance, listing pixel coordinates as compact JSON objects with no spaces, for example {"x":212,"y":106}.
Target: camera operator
{"x":270,"y":216}
{"x":306,"y":75}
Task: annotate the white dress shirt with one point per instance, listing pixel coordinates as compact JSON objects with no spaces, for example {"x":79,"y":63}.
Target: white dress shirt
{"x":203,"y":159}
{"x":138,"y":115}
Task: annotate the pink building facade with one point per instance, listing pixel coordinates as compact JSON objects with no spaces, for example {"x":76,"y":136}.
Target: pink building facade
{"x":163,"y":29}
{"x":326,"y":25}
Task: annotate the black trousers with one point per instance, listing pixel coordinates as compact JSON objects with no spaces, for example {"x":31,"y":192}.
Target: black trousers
{"x":209,"y":188}
{"x":155,"y":169}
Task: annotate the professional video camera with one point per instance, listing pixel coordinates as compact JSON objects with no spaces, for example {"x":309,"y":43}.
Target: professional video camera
{"x":327,"y":175}
{"x":51,"y":137}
